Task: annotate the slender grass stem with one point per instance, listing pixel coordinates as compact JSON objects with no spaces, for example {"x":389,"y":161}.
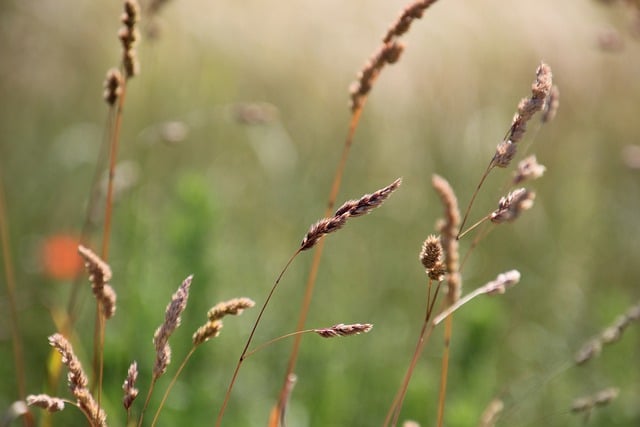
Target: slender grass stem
{"x":171,"y":384}
{"x":317,"y":256}
{"x":248,"y":343}
{"x":147,"y":400}
{"x":10,"y":278}
{"x":473,"y":198}
{"x":442,"y":394}
{"x":427,"y":327}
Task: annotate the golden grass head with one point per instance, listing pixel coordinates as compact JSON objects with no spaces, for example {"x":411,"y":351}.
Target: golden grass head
{"x":44,"y":401}
{"x":232,"y":307}
{"x":77,"y":380}
{"x":342,"y":330}
{"x":99,"y":276}
{"x":209,"y":330}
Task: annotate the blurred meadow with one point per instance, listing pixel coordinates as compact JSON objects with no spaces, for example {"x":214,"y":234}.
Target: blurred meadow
{"x":230,"y":139}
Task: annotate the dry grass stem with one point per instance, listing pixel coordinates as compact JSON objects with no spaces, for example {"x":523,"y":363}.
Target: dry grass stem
{"x":78,"y":381}
{"x":44,"y":401}
{"x":342,"y":330}
{"x":112,"y":86}
{"x":99,"y":276}
{"x":448,"y":237}
{"x":130,"y":391}
{"x":511,"y":206}
{"x":171,"y":322}
{"x":608,"y":336}
{"x":498,"y":286}
{"x":351,"y":208}
{"x":528,"y":169}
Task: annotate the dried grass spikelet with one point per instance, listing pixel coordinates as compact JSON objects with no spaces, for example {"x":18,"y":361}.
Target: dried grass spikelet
{"x":527,"y":107}
{"x":112,"y":86}
{"x":608,"y":336}
{"x":511,"y":206}
{"x":351,"y":208}
{"x":490,"y":414}
{"x":211,"y":329}
{"x":77,"y":381}
{"x":551,"y":105}
{"x":130,"y":391}
{"x":99,"y":276}
{"x":410,"y":423}
{"x":206,"y":332}
{"x":128,"y":35}
{"x":406,"y":18}
{"x":171,"y":322}
{"x":503,"y":282}
{"x":44,"y":401}
{"x":448,"y":237}
{"x":528,"y":169}
{"x":232,"y":307}
{"x":342,"y":330}
{"x":389,"y":53}
{"x":431,"y":258}
{"x":601,"y":398}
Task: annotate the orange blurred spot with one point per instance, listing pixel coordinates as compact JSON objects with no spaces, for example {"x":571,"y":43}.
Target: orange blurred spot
{"x":60,"y":258}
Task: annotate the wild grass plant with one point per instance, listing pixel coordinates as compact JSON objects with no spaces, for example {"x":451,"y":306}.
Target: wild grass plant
{"x":187,"y":182}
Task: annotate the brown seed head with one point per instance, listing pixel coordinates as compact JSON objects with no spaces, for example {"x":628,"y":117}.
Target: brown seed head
{"x":171,"y":322}
{"x":551,"y":105}
{"x":343,"y":330}
{"x":431,"y":252}
{"x":510,"y":207}
{"x":388,"y":53}
{"x":130,"y":391}
{"x":112,"y":86}
{"x":528,"y":169}
{"x":368,"y":202}
{"x":351,"y":208}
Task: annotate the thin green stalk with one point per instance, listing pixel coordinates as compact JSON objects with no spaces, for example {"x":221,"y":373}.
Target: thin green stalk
{"x":171,"y":384}
{"x":227,"y":395}
{"x":18,"y":353}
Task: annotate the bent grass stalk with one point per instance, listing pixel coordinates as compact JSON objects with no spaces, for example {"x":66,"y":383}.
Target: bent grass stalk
{"x":359,"y":96}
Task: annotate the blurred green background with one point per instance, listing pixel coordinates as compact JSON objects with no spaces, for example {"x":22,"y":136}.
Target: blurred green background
{"x":230,"y":139}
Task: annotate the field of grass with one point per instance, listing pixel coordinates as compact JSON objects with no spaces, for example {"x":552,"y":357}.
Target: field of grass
{"x":231,"y":135}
